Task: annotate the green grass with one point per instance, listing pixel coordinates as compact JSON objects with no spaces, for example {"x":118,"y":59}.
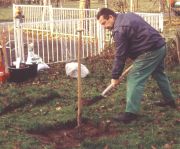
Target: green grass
{"x":35,"y":108}
{"x":48,"y":102}
{"x":6,"y":14}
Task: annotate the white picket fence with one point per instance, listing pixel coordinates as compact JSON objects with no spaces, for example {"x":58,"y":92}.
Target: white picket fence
{"x":59,"y":45}
{"x":40,"y":13}
{"x":36,"y":13}
{"x":53,"y":31}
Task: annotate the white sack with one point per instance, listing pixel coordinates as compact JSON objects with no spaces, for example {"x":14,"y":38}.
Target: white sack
{"x":34,"y":58}
{"x":72,"y":70}
{"x":42,"y":66}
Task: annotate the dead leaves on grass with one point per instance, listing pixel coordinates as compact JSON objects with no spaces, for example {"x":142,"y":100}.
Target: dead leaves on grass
{"x":165,"y":146}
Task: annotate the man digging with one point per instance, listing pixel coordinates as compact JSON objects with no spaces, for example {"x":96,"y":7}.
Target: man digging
{"x":136,"y":39}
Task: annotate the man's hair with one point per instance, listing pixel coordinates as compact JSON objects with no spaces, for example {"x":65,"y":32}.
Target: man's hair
{"x":105,"y":12}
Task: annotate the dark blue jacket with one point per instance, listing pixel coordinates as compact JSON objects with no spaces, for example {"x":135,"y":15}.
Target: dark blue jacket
{"x":133,"y":36}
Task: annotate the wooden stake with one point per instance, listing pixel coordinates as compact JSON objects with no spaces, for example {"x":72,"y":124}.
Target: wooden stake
{"x":4,"y":52}
{"x":1,"y":62}
{"x":79,"y":79}
{"x":178,"y":44}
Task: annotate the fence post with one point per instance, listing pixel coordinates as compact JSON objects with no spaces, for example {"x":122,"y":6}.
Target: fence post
{"x":51,"y":18}
{"x":101,"y":35}
{"x":19,"y":45}
{"x":161,"y":22}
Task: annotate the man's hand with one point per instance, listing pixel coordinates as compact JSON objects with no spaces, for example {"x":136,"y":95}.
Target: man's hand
{"x":115,"y":82}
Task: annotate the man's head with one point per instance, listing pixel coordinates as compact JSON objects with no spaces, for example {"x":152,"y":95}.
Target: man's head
{"x":106,"y":18}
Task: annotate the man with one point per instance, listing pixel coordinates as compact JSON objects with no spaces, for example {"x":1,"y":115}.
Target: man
{"x":136,"y":39}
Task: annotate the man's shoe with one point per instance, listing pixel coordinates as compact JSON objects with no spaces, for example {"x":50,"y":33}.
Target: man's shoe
{"x":171,"y":104}
{"x":126,"y":117}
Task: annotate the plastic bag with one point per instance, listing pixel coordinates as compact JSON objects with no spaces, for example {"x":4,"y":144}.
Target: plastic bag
{"x":72,"y":70}
{"x":34,"y":58}
{"x":42,"y":66}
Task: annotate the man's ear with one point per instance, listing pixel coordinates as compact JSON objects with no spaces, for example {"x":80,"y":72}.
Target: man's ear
{"x":111,"y":17}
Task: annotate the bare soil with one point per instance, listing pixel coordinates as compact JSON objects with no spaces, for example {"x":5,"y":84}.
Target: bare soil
{"x":72,"y":136}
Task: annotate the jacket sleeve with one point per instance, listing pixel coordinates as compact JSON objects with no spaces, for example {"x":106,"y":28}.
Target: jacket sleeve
{"x":121,"y":45}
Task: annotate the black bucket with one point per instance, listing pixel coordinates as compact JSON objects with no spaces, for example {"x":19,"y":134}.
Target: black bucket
{"x":32,"y":70}
{"x":23,"y":73}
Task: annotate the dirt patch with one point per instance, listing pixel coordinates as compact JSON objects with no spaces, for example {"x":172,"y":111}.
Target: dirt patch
{"x":73,"y":136}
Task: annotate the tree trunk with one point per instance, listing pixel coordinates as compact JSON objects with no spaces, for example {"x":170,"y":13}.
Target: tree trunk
{"x":84,"y":4}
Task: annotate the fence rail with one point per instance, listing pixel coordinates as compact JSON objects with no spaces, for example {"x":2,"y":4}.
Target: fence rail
{"x":59,"y":45}
{"x":37,"y":13}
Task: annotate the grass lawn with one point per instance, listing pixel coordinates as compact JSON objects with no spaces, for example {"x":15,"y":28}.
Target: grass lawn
{"x":6,"y":14}
{"x":40,"y":113}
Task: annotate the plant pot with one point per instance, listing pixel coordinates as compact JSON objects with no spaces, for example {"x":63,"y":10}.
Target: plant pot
{"x":32,"y":69}
{"x":23,"y":73}
{"x":19,"y":74}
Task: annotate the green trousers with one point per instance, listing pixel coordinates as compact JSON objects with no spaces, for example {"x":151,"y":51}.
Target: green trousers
{"x":145,"y":65}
